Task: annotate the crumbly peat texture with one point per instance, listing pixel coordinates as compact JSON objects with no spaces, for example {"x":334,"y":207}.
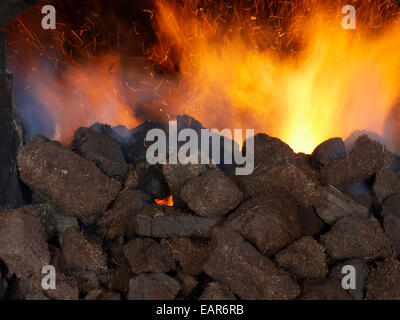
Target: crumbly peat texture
{"x":284,"y":232}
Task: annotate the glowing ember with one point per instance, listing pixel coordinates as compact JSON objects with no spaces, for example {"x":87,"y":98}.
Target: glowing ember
{"x":165,"y":202}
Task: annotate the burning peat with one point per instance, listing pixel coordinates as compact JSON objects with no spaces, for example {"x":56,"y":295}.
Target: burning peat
{"x":195,"y":231}
{"x":323,"y":224}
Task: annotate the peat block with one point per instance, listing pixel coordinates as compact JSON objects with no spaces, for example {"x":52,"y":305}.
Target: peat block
{"x":391,"y":220}
{"x":120,"y":219}
{"x":217,"y":291}
{"x":211,"y":194}
{"x":386,"y":184}
{"x":29,"y":288}
{"x":324,"y":289}
{"x":120,"y":272}
{"x":146,"y":255}
{"x":153,"y":222}
{"x":356,"y":237}
{"x":100,"y":294}
{"x":311,"y":224}
{"x":190,"y":253}
{"x":333,"y":205}
{"x":101,"y":149}
{"x":149,"y":179}
{"x":383,"y":282}
{"x":270,"y":222}
{"x":82,"y":253}
{"x":276,"y":165}
{"x":88,"y":280}
{"x":153,"y":286}
{"x":73,"y":183}
{"x":109,"y":296}
{"x":54,"y":219}
{"x":328,"y":151}
{"x":366,"y":200}
{"x":177,"y":175}
{"x":364,"y":160}
{"x":188,"y":283}
{"x":66,"y":289}
{"x":250,"y":275}
{"x":304,"y":258}
{"x":23,"y":246}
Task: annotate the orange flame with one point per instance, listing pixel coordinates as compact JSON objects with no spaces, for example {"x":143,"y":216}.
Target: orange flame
{"x":286,"y":68}
{"x":85,"y":95}
{"x":165,"y":202}
{"x":246,"y":75}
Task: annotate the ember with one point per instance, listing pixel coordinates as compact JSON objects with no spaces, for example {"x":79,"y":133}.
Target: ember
{"x":165,"y":202}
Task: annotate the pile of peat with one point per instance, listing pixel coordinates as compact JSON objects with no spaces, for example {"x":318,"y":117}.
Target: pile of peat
{"x":283,"y":232}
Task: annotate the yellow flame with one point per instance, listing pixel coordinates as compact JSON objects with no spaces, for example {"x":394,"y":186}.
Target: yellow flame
{"x":337,"y":82}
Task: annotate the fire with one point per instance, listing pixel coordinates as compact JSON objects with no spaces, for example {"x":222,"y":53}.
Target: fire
{"x":83,"y":96}
{"x":286,"y":68}
{"x":72,"y":74}
{"x":169,"y":202}
{"x":246,"y":75}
